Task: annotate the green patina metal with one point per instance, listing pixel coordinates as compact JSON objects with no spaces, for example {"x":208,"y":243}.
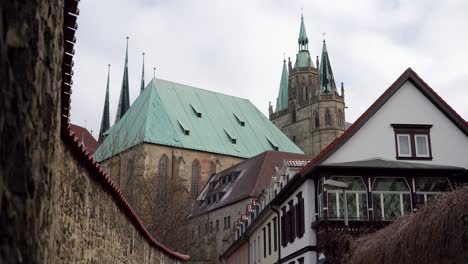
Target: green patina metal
{"x":124,"y":99}
{"x":283,"y":91}
{"x":105,"y":122}
{"x":303,"y":40}
{"x":182,"y":116}
{"x":303,"y":59}
{"x":326,"y":79}
{"x":303,"y":56}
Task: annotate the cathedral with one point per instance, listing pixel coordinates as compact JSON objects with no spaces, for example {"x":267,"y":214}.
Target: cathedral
{"x":309,"y":109}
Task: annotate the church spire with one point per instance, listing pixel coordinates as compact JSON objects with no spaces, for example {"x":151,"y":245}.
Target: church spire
{"x":282,"y":102}
{"x":142,"y":86}
{"x":326,"y":79}
{"x":124,"y":99}
{"x":105,"y":122}
{"x":303,"y":41}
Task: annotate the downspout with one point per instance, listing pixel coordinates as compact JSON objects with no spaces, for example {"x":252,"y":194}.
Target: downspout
{"x":276,"y":210}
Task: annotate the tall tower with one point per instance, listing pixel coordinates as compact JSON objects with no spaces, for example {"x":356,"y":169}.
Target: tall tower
{"x":309,"y":109}
{"x":105,"y":122}
{"x":124,"y":99}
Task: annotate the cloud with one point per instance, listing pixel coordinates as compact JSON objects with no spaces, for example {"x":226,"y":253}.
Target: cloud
{"x":236,"y":47}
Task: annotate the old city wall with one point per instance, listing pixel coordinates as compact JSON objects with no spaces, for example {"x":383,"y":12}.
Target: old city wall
{"x":52,"y":209}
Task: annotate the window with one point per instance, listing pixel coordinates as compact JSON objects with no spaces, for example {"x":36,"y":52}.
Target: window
{"x":163,"y":163}
{"x":428,"y":188}
{"x":317,"y":120}
{"x":284,"y":227}
{"x":269,"y":238}
{"x":255,"y":251}
{"x":391,"y":198}
{"x":217,"y":225}
{"x":195,"y":177}
{"x":228,"y":222}
{"x":292,"y":221}
{"x":275,"y":236}
{"x":258,"y":248}
{"x":356,"y":198}
{"x":412,"y":141}
{"x":300,"y":228}
{"x":339,"y":119}
{"x":327,"y":118}
{"x":300,"y":260}
{"x":293,"y":112}
{"x":264,"y":243}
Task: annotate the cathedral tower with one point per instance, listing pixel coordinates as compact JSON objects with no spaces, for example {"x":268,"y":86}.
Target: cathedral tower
{"x":309,"y":109}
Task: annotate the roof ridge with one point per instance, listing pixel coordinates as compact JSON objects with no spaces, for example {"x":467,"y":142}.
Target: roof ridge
{"x":202,"y":89}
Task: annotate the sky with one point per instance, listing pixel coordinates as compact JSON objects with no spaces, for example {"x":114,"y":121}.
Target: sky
{"x":237,"y":47}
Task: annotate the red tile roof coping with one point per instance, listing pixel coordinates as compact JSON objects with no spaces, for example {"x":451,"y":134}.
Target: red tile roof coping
{"x":84,"y":156}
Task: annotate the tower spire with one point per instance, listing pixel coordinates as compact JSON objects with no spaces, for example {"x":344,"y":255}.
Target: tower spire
{"x":282,"y":102}
{"x":326,"y":79}
{"x":142,"y":86}
{"x":303,"y":41}
{"x":105,"y":122}
{"x":124,"y":99}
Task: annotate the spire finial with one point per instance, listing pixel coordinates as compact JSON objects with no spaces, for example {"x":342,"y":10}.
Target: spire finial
{"x":284,"y":56}
{"x":323,"y":36}
{"x":154,"y":72}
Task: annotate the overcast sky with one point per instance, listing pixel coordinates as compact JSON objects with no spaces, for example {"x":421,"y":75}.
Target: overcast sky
{"x":236,"y":47}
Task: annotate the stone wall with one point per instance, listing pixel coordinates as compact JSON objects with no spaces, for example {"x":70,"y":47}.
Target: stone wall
{"x":54,"y":208}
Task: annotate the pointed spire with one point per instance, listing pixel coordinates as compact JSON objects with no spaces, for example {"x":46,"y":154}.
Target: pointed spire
{"x":303,"y":41}
{"x":154,"y":72}
{"x":317,"y":62}
{"x":142,"y":86}
{"x":326,"y":79}
{"x":124,"y":99}
{"x":282,"y":102}
{"x":105,"y":122}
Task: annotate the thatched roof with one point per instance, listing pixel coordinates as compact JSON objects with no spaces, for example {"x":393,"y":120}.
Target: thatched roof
{"x":437,"y":233}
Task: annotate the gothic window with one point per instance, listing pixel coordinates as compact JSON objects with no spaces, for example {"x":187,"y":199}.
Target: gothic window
{"x":339,"y":118}
{"x":163,"y":165}
{"x":327,"y":118}
{"x":293,"y":112}
{"x":304,"y":94}
{"x":195,"y":177}
{"x":317,"y":120}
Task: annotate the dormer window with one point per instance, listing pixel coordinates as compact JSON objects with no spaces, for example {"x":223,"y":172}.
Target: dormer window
{"x":196,"y":111}
{"x":412,"y":141}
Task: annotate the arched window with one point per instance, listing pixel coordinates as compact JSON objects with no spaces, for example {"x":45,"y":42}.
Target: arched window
{"x":163,"y":165}
{"x":195,"y":177}
{"x":327,"y":118}
{"x":339,"y":119}
{"x":293,"y":112}
{"x":304,"y":94}
{"x":317,"y":120}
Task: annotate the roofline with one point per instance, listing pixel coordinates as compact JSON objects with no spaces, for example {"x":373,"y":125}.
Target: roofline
{"x":423,"y":87}
{"x":245,"y":197}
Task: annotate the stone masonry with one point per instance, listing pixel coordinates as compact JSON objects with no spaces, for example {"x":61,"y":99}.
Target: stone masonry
{"x":53,"y":209}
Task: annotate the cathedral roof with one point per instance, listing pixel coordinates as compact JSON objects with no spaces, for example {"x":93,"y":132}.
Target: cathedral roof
{"x":283,"y":92}
{"x":177,"y":115}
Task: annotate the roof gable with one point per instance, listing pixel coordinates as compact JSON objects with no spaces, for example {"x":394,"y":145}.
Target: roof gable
{"x":408,"y":76}
{"x":178,"y":115}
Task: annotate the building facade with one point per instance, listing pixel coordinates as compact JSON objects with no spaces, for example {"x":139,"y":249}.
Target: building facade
{"x":309,"y":109}
{"x":386,"y":165}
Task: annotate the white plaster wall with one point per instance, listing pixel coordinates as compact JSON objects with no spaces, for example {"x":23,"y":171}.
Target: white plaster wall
{"x":407,"y":106}
{"x":258,"y":232}
{"x":309,"y":238}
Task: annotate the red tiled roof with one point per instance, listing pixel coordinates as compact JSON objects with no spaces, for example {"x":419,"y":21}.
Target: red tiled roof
{"x":84,"y":135}
{"x":423,"y":87}
{"x":80,"y":152}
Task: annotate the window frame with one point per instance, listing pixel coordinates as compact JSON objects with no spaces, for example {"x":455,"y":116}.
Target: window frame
{"x":413,"y":131}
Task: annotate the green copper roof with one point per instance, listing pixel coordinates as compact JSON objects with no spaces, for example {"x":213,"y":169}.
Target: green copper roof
{"x":302,"y":40}
{"x":303,"y":59}
{"x":182,"y":116}
{"x":105,"y":122}
{"x":124,"y":99}
{"x":282,"y":102}
{"x":326,"y":79}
